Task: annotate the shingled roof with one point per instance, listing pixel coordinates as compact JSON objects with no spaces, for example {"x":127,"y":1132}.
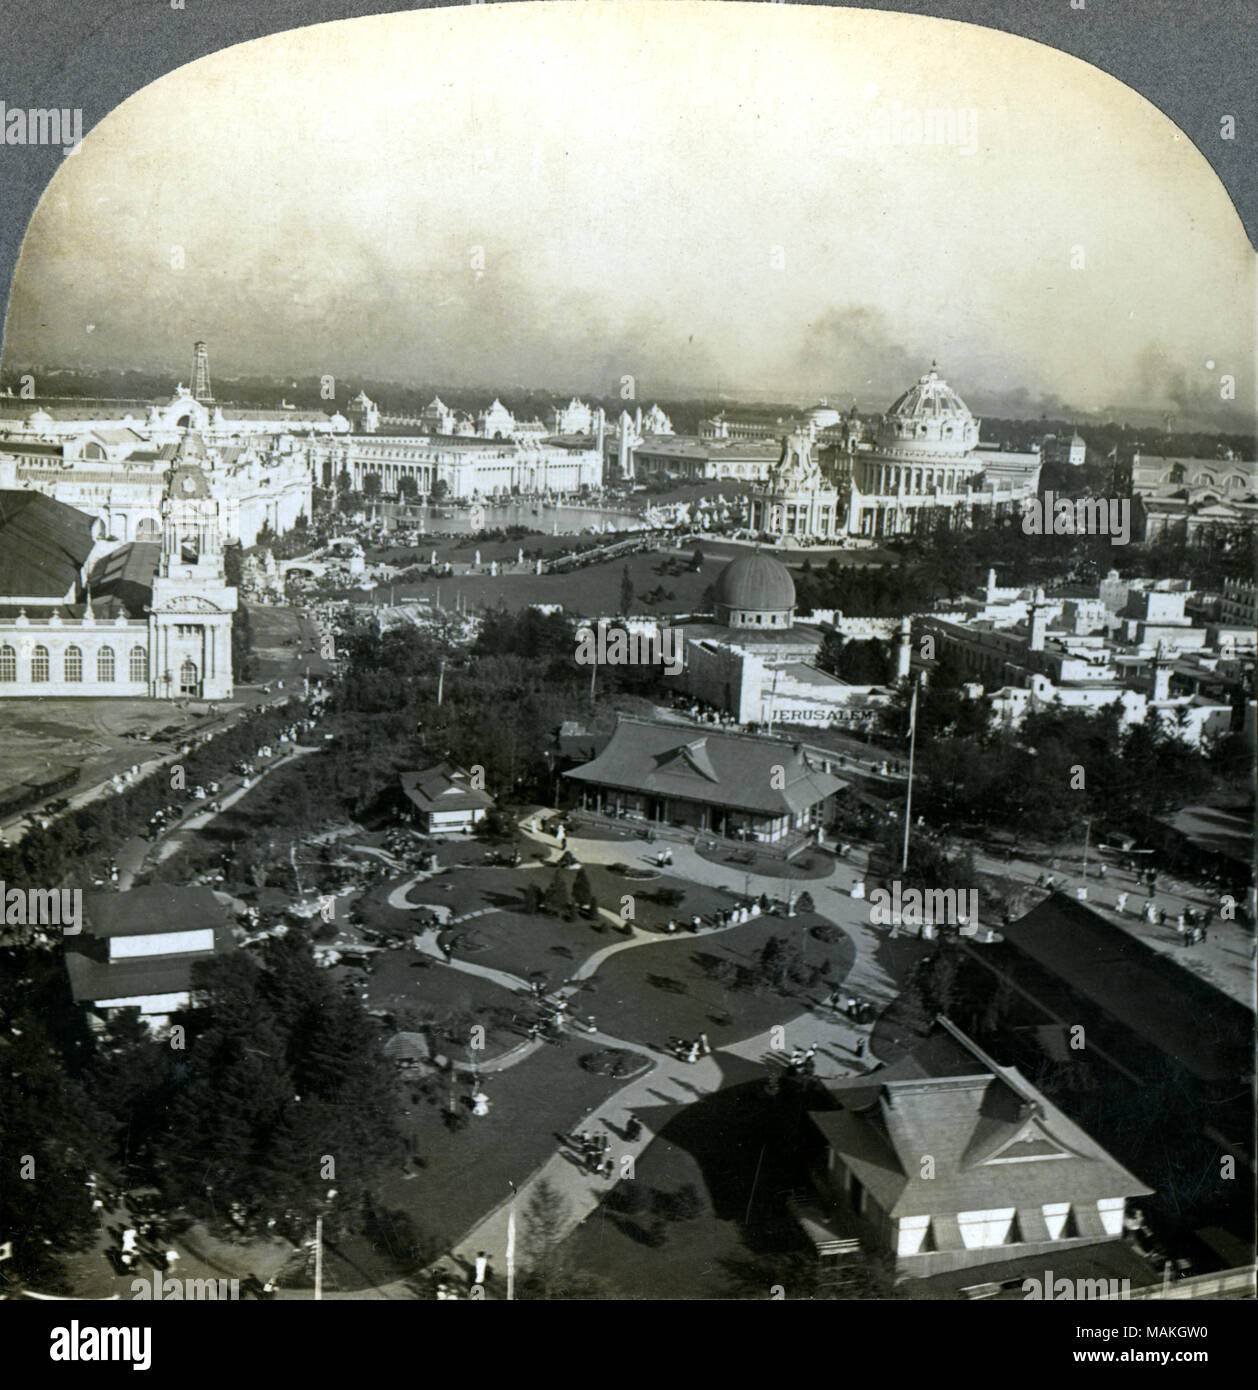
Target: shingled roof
{"x":710,"y":767}
{"x":995,"y":1139}
{"x":444,"y":787}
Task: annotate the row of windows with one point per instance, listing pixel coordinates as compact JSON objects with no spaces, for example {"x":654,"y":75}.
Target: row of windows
{"x":72,"y":665}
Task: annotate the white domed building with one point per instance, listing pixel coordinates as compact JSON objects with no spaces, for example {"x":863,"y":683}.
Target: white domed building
{"x":926,"y":459}
{"x":756,"y":665}
{"x":822,"y":417}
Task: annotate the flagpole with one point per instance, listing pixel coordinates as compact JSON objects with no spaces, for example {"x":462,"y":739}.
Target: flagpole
{"x":908,"y":799}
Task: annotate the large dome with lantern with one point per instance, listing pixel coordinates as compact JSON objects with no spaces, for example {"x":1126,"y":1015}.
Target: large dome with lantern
{"x":928,"y":418}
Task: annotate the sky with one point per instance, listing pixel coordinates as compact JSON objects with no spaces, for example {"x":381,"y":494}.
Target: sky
{"x":761,"y":198}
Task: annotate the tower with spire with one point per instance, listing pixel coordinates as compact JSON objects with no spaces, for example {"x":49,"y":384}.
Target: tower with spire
{"x":190,"y":617}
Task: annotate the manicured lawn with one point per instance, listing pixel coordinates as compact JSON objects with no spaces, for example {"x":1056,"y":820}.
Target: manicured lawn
{"x":509,"y":939}
{"x":526,"y":945}
{"x":649,"y":913}
{"x":405,"y":981}
{"x":811,"y":864}
{"x":654,"y":992}
{"x":739,"y":1151}
{"x":464,"y":1175}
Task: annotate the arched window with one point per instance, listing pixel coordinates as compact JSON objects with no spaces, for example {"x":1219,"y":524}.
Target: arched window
{"x":73,"y":665}
{"x":188,"y":678}
{"x":105,"y":664}
{"x":139,"y":664}
{"x":39,"y":664}
{"x":8,"y":663}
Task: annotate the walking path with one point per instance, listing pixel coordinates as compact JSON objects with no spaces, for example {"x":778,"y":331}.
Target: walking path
{"x":133,"y":857}
{"x":668,"y":1081}
{"x":671,"y":1081}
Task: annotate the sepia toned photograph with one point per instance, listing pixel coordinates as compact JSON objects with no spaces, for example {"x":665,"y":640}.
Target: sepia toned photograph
{"x":627,"y":673}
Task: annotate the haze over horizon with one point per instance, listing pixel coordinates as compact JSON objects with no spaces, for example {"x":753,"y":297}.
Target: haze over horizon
{"x":690,"y":195}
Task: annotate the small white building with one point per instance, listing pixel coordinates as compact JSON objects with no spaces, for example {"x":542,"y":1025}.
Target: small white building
{"x":446,"y":799}
{"x":137,"y":950}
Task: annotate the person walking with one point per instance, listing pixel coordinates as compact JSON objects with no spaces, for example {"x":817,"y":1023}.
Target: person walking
{"x":480,"y":1268}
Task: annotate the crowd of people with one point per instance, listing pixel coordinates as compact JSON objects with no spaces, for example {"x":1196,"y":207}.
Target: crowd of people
{"x":594,"y":1151}
{"x":687,"y":1050}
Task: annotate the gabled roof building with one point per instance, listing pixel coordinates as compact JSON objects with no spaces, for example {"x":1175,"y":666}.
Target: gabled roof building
{"x":138,"y":949}
{"x":445,"y":799}
{"x":947,"y":1160}
{"x":733,"y":784}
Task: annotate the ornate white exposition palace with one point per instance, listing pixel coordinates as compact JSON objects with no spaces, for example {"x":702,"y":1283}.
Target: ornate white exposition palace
{"x":162,"y":634}
{"x":925,"y":466}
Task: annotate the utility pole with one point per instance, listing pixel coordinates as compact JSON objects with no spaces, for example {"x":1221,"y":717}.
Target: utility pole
{"x":319,"y":1257}
{"x":511,"y":1247}
{"x":908,"y":798}
{"x":441,"y":682}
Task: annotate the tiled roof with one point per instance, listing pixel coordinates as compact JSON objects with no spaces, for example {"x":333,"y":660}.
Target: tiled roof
{"x":43,"y":544}
{"x":714,"y":768}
